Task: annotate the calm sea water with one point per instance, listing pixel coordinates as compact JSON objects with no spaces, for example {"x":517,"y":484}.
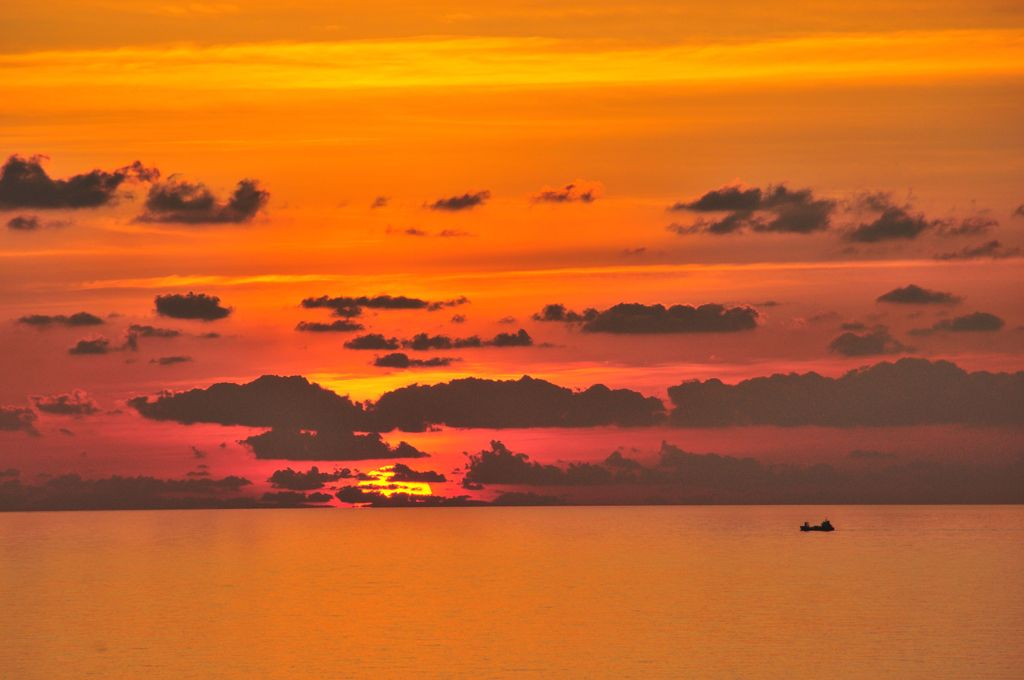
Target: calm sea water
{"x":689,"y":592}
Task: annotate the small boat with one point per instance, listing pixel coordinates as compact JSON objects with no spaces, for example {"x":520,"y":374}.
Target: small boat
{"x":824,"y":526}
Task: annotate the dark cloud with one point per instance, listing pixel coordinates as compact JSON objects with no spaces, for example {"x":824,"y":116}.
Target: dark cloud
{"x":306,"y":481}
{"x":577,"y":192}
{"x":92,"y":346}
{"x":916,"y":295}
{"x":380,"y":202}
{"x":372,"y":341}
{"x":527,"y":402}
{"x":776,"y":209}
{"x":400,"y":360}
{"x":270,"y":401}
{"x":907,"y":392}
{"x":373,"y":498}
{"x":353,"y":306}
{"x":463,"y":202}
{"x":76,"y":403}
{"x":853,"y":326}
{"x":294,"y":499}
{"x":193,"y":203}
{"x":526,"y":499}
{"x":25,"y":184}
{"x":875,"y":342}
{"x":18,"y":419}
{"x":326,"y":444}
{"x":557,"y":312}
{"x":71,"y":492}
{"x":642,"y":319}
{"x":403,"y":473}
{"x":518,"y":339}
{"x":499,"y":465}
{"x":23,"y":223}
{"x":895,"y":223}
{"x":458,"y":318}
{"x":992,"y":249}
{"x":144,"y":331}
{"x":970,"y":226}
{"x":171,"y":360}
{"x":424,"y":341}
{"x":306,"y":421}
{"x":45,"y":320}
{"x":339,"y":326}
{"x":975,"y":322}
{"x":191,"y":306}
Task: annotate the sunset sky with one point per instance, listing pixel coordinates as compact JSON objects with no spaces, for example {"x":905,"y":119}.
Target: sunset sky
{"x":232,"y":190}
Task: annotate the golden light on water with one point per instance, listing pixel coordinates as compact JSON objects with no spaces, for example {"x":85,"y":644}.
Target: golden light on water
{"x":382,"y":481}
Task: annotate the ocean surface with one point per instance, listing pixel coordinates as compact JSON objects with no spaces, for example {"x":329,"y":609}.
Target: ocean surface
{"x":589,"y":592}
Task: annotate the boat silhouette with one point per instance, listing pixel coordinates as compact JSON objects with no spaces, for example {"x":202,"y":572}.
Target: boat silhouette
{"x":824,"y":526}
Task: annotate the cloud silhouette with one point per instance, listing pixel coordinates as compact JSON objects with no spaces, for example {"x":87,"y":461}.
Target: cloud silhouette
{"x":400,"y":360}
{"x":372,"y":341}
{"x":73,"y":320}
{"x":895,"y":223}
{"x":25,"y":184}
{"x":72,"y":492}
{"x":991,"y":249}
{"x":193,"y":203}
{"x":75,"y":403}
{"x":199,"y":306}
{"x":527,"y":402}
{"x":463,"y":202}
{"x":916,"y":295}
{"x":907,"y":392}
{"x":18,"y":419}
{"x":171,"y":360}
{"x":636,"y":318}
{"x":968,"y":323}
{"x":306,"y":481}
{"x":146,"y":331}
{"x":875,"y":342}
{"x":776,"y":209}
{"x":23,"y":223}
{"x":580,"y":191}
{"x":346,"y":306}
{"x":339,"y":326}
{"x":91,"y":346}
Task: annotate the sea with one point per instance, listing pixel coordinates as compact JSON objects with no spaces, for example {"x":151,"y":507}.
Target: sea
{"x":555,"y":592}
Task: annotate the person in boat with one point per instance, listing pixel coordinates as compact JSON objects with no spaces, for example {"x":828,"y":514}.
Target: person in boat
{"x":807,"y":525}
{"x":826,"y":525}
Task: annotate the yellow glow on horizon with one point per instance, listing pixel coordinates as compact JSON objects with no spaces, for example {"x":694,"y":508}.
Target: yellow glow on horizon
{"x":382,"y":481}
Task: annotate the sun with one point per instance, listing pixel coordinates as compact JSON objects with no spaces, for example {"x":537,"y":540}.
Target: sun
{"x":382,"y":481}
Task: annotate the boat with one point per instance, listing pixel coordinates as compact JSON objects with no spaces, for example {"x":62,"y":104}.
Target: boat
{"x":824,"y":526}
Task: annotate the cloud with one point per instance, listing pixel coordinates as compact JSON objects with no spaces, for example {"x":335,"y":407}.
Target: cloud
{"x":499,"y":465}
{"x":776,"y":209}
{"x":193,"y":203}
{"x":969,"y":323}
{"x":400,"y":360}
{"x":916,"y":295}
{"x":458,"y":318}
{"x":25,"y":184}
{"x":71,"y":492}
{"x":144,"y":331}
{"x":907,"y":392}
{"x":636,"y":318}
{"x":463,"y":202}
{"x":372,"y":341}
{"x":171,"y":360}
{"x":191,"y":306}
{"x":527,"y":402}
{"x":339,"y":326}
{"x":306,"y":421}
{"x":992,"y":249}
{"x":875,"y":342}
{"x":558,"y":312}
{"x":353,"y":306}
{"x":970,"y":226}
{"x":332,"y":443}
{"x":294,"y":499}
{"x":895,"y":223}
{"x":18,"y":419}
{"x":23,"y":223}
{"x":380,"y":202}
{"x":306,"y":481}
{"x":424,"y":341}
{"x":91,"y":346}
{"x":75,"y":403}
{"x":580,"y":191}
{"x":403,"y":473}
{"x":73,"y":320}
{"x":363,"y":496}
{"x":1019,"y":212}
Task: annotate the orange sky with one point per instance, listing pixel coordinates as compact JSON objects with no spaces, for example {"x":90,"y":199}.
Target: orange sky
{"x":330,"y":106}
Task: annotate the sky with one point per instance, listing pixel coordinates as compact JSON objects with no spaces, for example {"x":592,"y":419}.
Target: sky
{"x":397,"y":211}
